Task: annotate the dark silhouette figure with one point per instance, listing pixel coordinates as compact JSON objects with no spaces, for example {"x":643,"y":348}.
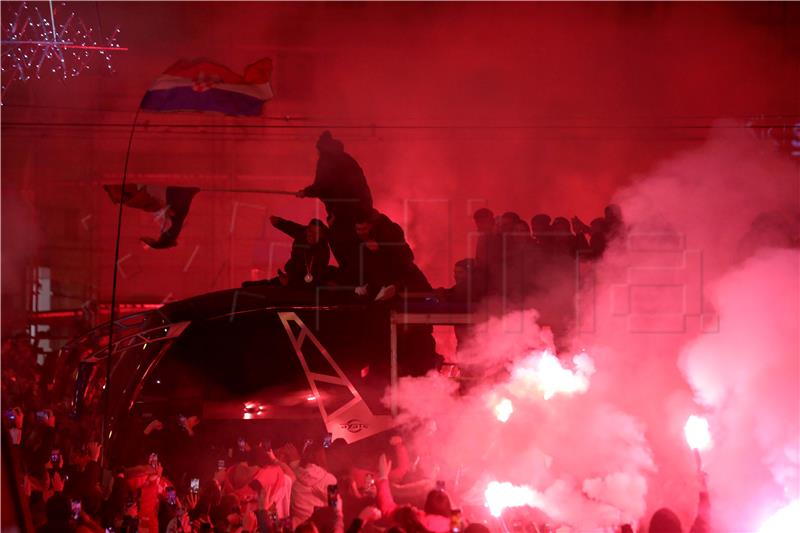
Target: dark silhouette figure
{"x":340,"y":184}
{"x":388,"y":262}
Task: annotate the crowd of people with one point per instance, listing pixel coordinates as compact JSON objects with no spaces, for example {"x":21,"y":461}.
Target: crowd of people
{"x":178,"y":482}
{"x":519,"y":263}
{"x":252,"y":486}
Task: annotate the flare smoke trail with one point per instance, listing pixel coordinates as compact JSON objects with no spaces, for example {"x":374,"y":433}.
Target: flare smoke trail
{"x":690,"y":315}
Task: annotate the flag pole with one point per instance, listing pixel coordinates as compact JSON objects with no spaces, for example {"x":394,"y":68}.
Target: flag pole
{"x":113,"y":312}
{"x":254,"y":191}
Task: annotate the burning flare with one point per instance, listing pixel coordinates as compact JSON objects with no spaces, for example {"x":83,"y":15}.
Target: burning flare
{"x":501,"y":496}
{"x":503,"y":410}
{"x":698,"y":436}
{"x":785,"y":520}
{"x":544,"y":373}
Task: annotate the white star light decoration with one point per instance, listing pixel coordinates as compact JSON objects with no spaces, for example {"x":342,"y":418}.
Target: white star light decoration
{"x":36,"y":43}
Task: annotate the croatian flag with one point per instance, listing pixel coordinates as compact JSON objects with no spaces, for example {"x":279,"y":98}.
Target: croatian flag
{"x":200,"y":85}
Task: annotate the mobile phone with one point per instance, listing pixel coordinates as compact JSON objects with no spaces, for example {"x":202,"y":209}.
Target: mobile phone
{"x":455,"y":521}
{"x":326,"y":442}
{"x":153,"y":460}
{"x":333,"y":496}
{"x":182,"y":420}
{"x":42,"y":415}
{"x":55,"y":457}
{"x":221,"y":464}
{"x":194,"y":485}
{"x":76,"y":509}
{"x":172,"y":497}
{"x":242,"y":444}
{"x":439,"y":485}
{"x":10,"y":414}
{"x":369,"y":482}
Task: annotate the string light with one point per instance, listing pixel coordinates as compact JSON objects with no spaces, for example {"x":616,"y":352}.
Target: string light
{"x":32,"y":46}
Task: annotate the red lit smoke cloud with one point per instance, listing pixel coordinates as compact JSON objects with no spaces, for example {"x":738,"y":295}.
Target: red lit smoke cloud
{"x":696,"y":313}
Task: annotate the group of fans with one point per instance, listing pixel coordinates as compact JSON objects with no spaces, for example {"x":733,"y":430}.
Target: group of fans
{"x":370,"y":249}
{"x":250,"y":485}
{"x":184,"y":483}
{"x":513,"y":261}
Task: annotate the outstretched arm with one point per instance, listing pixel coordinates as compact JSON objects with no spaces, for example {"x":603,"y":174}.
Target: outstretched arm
{"x":290,"y":228}
{"x":315,"y":190}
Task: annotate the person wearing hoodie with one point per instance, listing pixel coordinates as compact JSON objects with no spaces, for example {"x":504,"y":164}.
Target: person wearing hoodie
{"x":341,"y":185}
{"x":310,"y":489}
{"x":388,"y":261}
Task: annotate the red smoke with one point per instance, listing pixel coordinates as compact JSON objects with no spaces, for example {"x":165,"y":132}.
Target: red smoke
{"x":685,"y":317}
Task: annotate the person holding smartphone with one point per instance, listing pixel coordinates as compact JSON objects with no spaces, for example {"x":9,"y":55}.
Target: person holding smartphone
{"x":310,"y":490}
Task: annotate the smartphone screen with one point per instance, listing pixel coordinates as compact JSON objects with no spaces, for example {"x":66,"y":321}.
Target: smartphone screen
{"x":326,"y":442}
{"x":194,"y":485}
{"x":153,"y":460}
{"x":221,"y":464}
{"x":333,"y":493}
{"x":172,"y":497}
{"x":55,"y":457}
{"x":76,"y":509}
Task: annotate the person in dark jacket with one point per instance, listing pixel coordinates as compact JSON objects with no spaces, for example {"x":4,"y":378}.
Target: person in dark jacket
{"x":308,"y":264}
{"x":387,"y":259}
{"x":467,"y":290}
{"x":341,"y":185}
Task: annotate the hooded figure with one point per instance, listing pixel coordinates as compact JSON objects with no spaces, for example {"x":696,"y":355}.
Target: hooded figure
{"x":342,"y":187}
{"x":387,"y":258}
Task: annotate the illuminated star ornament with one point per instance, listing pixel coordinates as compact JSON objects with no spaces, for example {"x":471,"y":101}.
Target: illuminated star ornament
{"x":51,"y":40}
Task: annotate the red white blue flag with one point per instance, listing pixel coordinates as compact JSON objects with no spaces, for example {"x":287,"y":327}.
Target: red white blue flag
{"x":200,"y":85}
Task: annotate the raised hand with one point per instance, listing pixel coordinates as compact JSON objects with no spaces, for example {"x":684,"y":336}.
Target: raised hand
{"x":370,"y":513}
{"x":155,"y":425}
{"x":93,"y":449}
{"x":58,"y":483}
{"x":191,"y":501}
{"x":384,"y":466}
